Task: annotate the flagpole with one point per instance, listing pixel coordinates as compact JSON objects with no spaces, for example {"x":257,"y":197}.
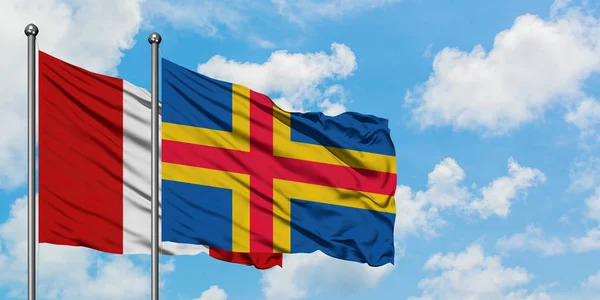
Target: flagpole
{"x":154,"y":39}
{"x":31,"y":31}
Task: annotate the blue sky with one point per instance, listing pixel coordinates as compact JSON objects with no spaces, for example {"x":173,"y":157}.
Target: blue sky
{"x":493,"y":108}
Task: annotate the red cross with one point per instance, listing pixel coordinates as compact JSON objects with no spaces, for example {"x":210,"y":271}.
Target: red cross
{"x":262,"y":167}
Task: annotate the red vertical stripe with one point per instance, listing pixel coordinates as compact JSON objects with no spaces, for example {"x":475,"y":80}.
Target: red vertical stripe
{"x":261,"y":178}
{"x":80,"y":157}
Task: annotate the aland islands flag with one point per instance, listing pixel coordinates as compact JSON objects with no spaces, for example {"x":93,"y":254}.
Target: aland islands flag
{"x":269,"y":181}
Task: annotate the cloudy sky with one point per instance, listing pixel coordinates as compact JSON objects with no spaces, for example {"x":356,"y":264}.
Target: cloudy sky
{"x":494,"y":111}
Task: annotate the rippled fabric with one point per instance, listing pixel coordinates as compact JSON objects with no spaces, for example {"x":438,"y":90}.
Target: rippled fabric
{"x":243,"y":175}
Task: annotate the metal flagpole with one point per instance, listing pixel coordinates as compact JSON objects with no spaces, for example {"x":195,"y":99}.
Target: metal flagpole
{"x":154,"y":40}
{"x":31,"y":32}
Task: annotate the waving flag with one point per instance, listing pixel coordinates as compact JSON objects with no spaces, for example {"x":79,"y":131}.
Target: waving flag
{"x":94,"y":165}
{"x":243,"y":175}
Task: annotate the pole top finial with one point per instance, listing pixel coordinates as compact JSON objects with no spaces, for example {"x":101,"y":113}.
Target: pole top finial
{"x":154,"y":38}
{"x":31,"y":29}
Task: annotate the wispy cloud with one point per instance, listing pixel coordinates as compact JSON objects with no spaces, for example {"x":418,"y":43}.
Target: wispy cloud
{"x":262,"y":43}
{"x":419,"y":212}
{"x":534,"y":240}
{"x":243,"y":18}
{"x":301,"y":12}
{"x":486,"y":276}
{"x":427,"y":52}
{"x":585,"y":175}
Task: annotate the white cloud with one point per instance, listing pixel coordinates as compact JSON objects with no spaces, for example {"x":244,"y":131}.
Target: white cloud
{"x":588,"y":291}
{"x":532,"y":239}
{"x":213,"y":293}
{"x":309,"y":10}
{"x":589,"y":242}
{"x":262,"y":43}
{"x":497,"y":195}
{"x":585,"y":175}
{"x":167,"y":267}
{"x":331,"y":109}
{"x":524,"y":295}
{"x":532,"y":66}
{"x":164,"y":269}
{"x":117,"y":278}
{"x":66,"y":272}
{"x":335,"y":99}
{"x":444,"y":189}
{"x":592,"y":283}
{"x":296,"y":77}
{"x":472,"y":275}
{"x":419,"y":211}
{"x":414,"y":214}
{"x":559,"y":6}
{"x":427,"y":52}
{"x":586,"y":115}
{"x":73,"y":31}
{"x":305,"y":274}
{"x":593,"y":205}
{"x":211,"y":18}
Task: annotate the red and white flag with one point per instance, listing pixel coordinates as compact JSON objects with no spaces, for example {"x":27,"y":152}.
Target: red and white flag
{"x":95,"y":166}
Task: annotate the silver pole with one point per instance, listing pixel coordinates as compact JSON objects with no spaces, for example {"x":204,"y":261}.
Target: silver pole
{"x":31,"y":32}
{"x":154,"y":40}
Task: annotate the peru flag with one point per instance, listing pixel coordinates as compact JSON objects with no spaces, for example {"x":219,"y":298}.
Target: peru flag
{"x":94,"y":166}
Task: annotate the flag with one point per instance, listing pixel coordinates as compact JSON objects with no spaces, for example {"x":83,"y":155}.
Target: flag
{"x":267,"y":180}
{"x":95,"y":165}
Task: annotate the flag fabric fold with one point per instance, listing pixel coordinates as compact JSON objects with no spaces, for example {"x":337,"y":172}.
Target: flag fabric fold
{"x":94,"y":166}
{"x":269,"y":181}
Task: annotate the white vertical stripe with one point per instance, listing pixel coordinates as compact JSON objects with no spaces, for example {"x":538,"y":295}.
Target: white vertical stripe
{"x":136,"y":176}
